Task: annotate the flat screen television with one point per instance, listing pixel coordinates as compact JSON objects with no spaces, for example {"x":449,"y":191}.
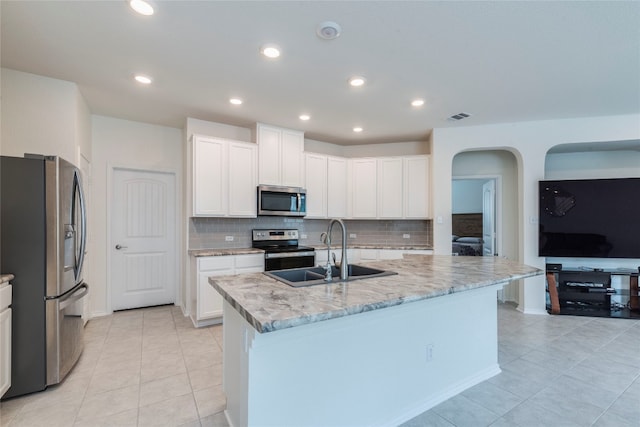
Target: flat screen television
{"x":590,"y":218}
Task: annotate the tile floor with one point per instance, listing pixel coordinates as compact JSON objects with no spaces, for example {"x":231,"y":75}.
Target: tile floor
{"x":151,"y":367}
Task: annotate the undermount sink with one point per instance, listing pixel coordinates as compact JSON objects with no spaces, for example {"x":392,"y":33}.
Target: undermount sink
{"x":310,"y":276}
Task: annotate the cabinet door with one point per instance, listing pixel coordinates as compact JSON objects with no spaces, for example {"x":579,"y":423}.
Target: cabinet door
{"x":386,"y":254}
{"x":316,"y":185}
{"x":5,"y":351}
{"x":363,"y":188}
{"x":390,"y":192}
{"x":369,"y":255}
{"x":209,"y":300}
{"x":416,"y":190}
{"x":242,"y":179}
{"x":209,"y":177}
{"x":336,"y":187}
{"x":269,"y":155}
{"x":252,"y":263}
{"x":292,"y":158}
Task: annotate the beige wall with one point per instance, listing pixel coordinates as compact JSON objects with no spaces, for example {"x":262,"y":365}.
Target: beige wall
{"x":529,"y":143}
{"x":123,"y":143}
{"x":42,"y":115}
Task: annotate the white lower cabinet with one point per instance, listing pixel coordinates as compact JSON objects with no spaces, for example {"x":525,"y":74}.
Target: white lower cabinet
{"x":206,"y":308}
{"x":5,"y":338}
{"x":356,"y":255}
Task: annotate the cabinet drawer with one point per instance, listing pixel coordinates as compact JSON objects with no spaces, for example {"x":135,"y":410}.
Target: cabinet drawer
{"x":5,"y":296}
{"x":250,"y":261}
{"x":215,"y":263}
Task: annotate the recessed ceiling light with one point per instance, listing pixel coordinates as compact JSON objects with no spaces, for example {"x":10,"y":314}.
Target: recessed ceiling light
{"x":357,"y":81}
{"x":141,"y":78}
{"x":270,"y":51}
{"x":328,"y":30}
{"x":141,"y":6}
{"x":304,"y":117}
{"x":417,"y":103}
{"x":235,"y":101}
{"x":357,"y":129}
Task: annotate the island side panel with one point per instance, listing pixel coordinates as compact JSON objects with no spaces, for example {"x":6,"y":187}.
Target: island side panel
{"x":368,"y":369}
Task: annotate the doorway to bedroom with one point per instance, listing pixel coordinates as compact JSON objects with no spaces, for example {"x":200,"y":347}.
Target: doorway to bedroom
{"x":474,"y":216}
{"x":473,"y":169}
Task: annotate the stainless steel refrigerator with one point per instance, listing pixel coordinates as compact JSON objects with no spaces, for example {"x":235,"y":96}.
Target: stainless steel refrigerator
{"x":43,"y":240}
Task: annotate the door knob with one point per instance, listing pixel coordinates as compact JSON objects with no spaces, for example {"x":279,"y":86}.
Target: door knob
{"x":118,"y":247}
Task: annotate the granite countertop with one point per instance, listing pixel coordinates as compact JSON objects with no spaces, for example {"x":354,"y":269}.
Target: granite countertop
{"x":320,"y":247}
{"x":245,"y":251}
{"x":4,"y":278}
{"x":270,"y":305}
{"x":224,"y":252}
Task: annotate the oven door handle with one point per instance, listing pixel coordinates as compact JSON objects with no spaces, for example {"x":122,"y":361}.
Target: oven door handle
{"x":288,"y":254}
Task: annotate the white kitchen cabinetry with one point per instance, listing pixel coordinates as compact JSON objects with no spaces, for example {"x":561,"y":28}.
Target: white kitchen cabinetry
{"x":224,"y":177}
{"x":390,"y":187}
{"x":243,"y":179}
{"x":326,"y":185}
{"x":5,"y":337}
{"x":280,"y":155}
{"x":364,"y":201}
{"x":369,"y":255}
{"x":416,"y":187}
{"x":316,"y":185}
{"x":206,"y":308}
{"x":321,"y":256}
{"x":336,"y":187}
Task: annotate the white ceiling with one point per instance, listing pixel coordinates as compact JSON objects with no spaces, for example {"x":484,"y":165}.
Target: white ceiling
{"x":500,"y":61}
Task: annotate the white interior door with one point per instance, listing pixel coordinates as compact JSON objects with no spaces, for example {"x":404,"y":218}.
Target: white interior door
{"x":489,"y":218}
{"x":143,"y":239}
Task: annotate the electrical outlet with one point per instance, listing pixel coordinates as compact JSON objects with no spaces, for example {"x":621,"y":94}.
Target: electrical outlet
{"x":228,"y":238}
{"x":303,"y":236}
{"x":352,"y":235}
{"x":429,"y":355}
{"x":406,"y":236}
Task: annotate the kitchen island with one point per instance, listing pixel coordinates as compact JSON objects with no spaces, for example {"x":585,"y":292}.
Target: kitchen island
{"x":376,"y":351}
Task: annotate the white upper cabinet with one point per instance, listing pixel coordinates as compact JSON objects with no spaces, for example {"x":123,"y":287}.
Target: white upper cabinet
{"x":364,"y":201}
{"x":316,"y":185}
{"x":292,"y":172}
{"x":210,"y":179}
{"x":243,"y":179}
{"x":337,"y":187}
{"x":326,"y":184}
{"x":416,"y":188}
{"x":390,"y":189}
{"x":224,"y":177}
{"x":280,"y":155}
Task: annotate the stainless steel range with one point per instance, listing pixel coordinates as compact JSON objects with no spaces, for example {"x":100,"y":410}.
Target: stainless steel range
{"x":282,"y":250}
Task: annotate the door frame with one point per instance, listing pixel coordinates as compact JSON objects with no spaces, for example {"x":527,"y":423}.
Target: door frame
{"x":111,"y":168}
{"x":498,"y":215}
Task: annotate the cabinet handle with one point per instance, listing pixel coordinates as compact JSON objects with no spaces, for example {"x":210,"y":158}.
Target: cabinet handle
{"x":118,"y":247}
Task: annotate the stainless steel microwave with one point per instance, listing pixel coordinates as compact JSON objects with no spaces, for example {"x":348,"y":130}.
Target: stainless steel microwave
{"x":282,"y":201}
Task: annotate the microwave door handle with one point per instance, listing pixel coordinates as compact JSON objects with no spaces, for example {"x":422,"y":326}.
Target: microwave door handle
{"x":299,"y":202}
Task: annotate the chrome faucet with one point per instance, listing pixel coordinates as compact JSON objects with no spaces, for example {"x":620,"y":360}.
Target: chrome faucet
{"x":344,"y":268}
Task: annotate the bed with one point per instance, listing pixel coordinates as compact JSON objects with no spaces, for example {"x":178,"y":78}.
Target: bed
{"x":467,"y":234}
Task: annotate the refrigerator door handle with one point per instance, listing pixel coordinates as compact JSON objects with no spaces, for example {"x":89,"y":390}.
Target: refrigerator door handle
{"x":83,"y":224}
{"x":66,"y":300}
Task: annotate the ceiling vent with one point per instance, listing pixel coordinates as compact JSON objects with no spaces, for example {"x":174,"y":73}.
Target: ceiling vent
{"x":459,"y":116}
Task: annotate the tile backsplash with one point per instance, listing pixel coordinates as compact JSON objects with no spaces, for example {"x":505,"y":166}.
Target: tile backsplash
{"x":213,"y":233}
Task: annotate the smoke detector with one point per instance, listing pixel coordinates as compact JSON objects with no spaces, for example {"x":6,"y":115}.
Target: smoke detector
{"x":328,"y":30}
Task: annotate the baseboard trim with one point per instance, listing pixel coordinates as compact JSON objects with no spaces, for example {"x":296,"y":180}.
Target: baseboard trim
{"x":446,"y":394}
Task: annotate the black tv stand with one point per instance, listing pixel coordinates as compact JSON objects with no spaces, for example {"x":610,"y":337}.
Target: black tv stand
{"x":590,"y":293}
